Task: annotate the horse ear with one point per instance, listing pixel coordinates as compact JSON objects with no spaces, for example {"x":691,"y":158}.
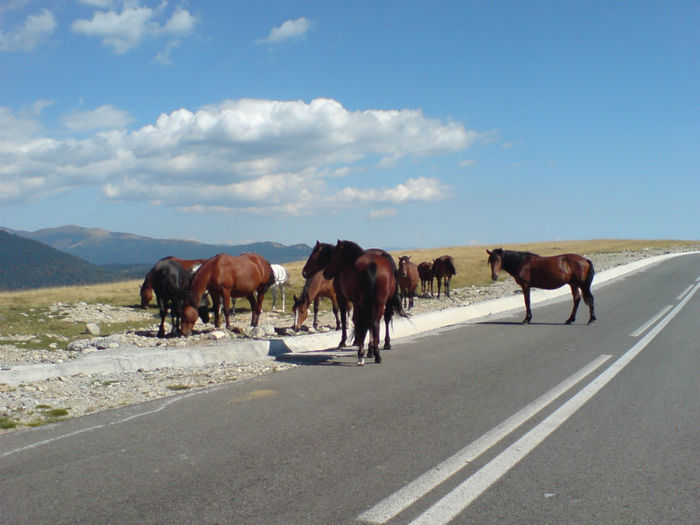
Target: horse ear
{"x":295,"y":298}
{"x":488,"y":251}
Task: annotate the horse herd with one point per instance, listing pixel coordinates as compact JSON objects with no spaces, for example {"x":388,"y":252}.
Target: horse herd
{"x":367,"y":283}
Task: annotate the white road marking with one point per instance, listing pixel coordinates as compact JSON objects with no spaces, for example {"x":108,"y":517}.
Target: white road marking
{"x":682,"y":294}
{"x":463,"y":495}
{"x":639,"y":331}
{"x":161,"y":407}
{"x":406,"y":496}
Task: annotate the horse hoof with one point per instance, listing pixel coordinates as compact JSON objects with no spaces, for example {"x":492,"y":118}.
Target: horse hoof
{"x":360,"y":362}
{"x":378,"y":360}
{"x":569,"y":321}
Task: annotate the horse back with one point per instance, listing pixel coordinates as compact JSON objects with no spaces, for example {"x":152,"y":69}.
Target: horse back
{"x":555,"y":271}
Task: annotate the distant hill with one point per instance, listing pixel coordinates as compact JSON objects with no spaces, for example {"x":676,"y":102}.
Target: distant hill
{"x":26,"y":264}
{"x":103,"y":247}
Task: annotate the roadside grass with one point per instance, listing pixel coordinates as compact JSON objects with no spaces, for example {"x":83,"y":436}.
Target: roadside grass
{"x":27,"y":313}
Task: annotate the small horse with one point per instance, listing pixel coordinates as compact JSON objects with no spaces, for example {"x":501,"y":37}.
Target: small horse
{"x":315,"y":287}
{"x":281,"y":280}
{"x":408,"y":280}
{"x":225,"y":276}
{"x":425,"y":271}
{"x":146,"y":289}
{"x":170,"y":283}
{"x":444,"y":269}
{"x":367,"y":278}
{"x":532,"y":271}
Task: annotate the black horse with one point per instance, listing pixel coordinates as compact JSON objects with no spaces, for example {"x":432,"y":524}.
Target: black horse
{"x":171,"y":284}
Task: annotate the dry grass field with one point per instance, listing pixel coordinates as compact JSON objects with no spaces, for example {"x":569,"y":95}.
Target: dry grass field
{"x":24,"y":312}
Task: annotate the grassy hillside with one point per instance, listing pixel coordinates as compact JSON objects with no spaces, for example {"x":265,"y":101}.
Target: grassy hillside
{"x":25,"y":264}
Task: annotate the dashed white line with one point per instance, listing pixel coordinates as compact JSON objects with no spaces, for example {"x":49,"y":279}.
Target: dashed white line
{"x":639,"y":331}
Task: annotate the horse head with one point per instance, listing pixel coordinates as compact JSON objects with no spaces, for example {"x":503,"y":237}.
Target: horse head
{"x":318,"y":259}
{"x":300,"y":311}
{"x":403,"y":265}
{"x":496,"y":262}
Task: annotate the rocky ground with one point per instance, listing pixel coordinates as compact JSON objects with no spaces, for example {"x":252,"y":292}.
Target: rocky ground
{"x":57,"y":398}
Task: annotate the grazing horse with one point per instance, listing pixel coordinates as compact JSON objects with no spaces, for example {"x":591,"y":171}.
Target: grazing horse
{"x":367,"y":278}
{"x":225,"y":276}
{"x":146,"y":290}
{"x":315,"y":287}
{"x":170,"y":283}
{"x":532,"y":271}
{"x":425,"y":271}
{"x":444,"y":269}
{"x":408,"y":280}
{"x":281,"y":280}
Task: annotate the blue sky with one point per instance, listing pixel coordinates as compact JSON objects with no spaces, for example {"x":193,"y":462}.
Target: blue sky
{"x":394,"y":124}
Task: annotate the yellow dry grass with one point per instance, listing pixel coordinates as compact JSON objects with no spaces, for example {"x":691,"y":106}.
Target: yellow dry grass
{"x":470,"y":262}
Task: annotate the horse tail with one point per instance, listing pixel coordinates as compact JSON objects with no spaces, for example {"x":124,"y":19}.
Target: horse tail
{"x":451,"y":266}
{"x":364,"y":312}
{"x":588,"y":280}
{"x":394,"y":306}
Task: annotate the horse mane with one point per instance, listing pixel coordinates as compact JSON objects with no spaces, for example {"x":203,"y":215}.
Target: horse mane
{"x":353,"y":249}
{"x":512,"y":260}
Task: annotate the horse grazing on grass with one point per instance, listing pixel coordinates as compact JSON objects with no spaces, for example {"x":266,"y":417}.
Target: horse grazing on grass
{"x":425,"y":271}
{"x":444,"y":269}
{"x":281,"y":280}
{"x":170,"y":283}
{"x":408,"y":280}
{"x":225,"y":276}
{"x":368,"y":279}
{"x":146,"y":290}
{"x":315,"y":287}
{"x":532,"y":271}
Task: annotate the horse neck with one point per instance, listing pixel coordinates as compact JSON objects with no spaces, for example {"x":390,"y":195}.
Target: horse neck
{"x":199,"y":282}
{"x":513,"y":261}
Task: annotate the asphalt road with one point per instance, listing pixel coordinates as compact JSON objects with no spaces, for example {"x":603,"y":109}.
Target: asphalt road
{"x":491,"y":422}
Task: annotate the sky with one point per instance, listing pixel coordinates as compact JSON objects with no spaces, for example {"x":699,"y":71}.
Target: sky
{"x":395,"y":124}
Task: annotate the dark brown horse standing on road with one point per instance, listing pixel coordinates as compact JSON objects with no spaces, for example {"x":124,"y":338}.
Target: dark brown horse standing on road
{"x":315,"y":287}
{"x":532,"y":271}
{"x":368,"y":279}
{"x":444,"y":269}
{"x":408,"y":280}
{"x":226,"y":276}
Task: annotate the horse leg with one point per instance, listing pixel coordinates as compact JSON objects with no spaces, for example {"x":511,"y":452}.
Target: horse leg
{"x":439,"y":283}
{"x":375,"y":339}
{"x":284,"y":307}
{"x":387,"y":337}
{"x":588,"y":299}
{"x":343,"y":322}
{"x":274,"y":298}
{"x":161,"y":331}
{"x":255,"y":315}
{"x":225,"y":301}
{"x":315,"y":325}
{"x":577,"y":299}
{"x":334,"y":304}
{"x":528,"y":312}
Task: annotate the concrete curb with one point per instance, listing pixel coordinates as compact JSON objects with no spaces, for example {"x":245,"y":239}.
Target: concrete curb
{"x":131,"y":359}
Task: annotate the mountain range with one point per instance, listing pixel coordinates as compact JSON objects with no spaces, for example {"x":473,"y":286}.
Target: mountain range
{"x":71,"y":255}
{"x":103,"y":247}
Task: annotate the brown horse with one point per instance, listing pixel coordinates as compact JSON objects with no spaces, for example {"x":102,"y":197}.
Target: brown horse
{"x":315,"y":287}
{"x":532,"y":271}
{"x":408,"y":280}
{"x":425,"y":271}
{"x":367,"y":278}
{"x":146,"y":290}
{"x":225,"y":276}
{"x":444,"y":269}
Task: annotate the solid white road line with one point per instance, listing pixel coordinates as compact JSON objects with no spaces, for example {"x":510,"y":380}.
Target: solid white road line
{"x":406,"y":496}
{"x":463,"y":495}
{"x":682,"y":294}
{"x":639,"y":331}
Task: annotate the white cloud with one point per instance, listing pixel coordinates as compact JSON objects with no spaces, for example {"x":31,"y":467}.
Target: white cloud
{"x":104,"y":117}
{"x":467,"y":163}
{"x":289,"y":30}
{"x":248,"y":155}
{"x":383,"y":213}
{"x":125,"y":30}
{"x":27,"y":36}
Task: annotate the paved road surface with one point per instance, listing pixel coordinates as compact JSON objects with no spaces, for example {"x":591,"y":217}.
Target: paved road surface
{"x":491,"y":422}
